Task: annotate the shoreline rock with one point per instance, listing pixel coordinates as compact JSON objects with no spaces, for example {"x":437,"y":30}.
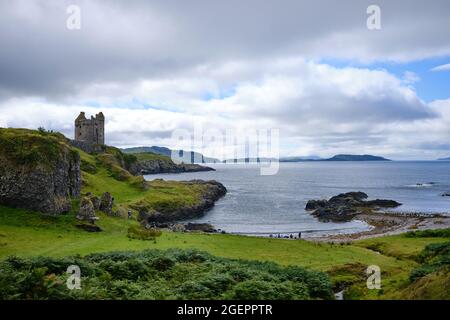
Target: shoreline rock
{"x":184,"y":227}
{"x":345,"y":206}
{"x":390,"y":223}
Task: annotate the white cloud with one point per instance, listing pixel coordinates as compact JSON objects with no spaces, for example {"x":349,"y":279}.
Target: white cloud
{"x":318,"y":108}
{"x":444,"y":67}
{"x":410,"y":77}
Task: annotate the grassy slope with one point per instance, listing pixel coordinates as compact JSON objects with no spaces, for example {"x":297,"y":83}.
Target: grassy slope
{"x":129,"y":192}
{"x":395,"y":285}
{"x":57,"y":236}
{"x":152,"y":156}
{"x":24,"y":233}
{"x":398,"y":246}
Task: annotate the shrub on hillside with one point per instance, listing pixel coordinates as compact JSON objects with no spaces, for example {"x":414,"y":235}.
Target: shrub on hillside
{"x":433,"y":258}
{"x":155,"y":274}
{"x":437,"y":233}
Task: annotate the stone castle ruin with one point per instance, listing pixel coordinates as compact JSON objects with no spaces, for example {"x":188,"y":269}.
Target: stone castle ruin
{"x":90,"y":130}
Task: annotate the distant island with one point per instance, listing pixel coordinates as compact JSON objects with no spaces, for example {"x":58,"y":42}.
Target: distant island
{"x":353,"y":157}
{"x":195,"y":157}
{"x":444,"y":159}
{"x":338,"y":157}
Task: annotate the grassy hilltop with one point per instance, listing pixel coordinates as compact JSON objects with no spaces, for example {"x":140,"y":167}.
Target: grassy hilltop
{"x":413,"y":265}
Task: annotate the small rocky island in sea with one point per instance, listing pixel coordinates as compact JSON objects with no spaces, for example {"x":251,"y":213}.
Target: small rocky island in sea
{"x":345,"y":206}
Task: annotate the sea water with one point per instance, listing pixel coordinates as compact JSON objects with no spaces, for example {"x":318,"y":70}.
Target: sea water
{"x":265,"y":205}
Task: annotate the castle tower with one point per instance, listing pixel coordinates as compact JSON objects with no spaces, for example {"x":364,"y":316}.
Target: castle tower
{"x":99,"y":128}
{"x":90,"y":130}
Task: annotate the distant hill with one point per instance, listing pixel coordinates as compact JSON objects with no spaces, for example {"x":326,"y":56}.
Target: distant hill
{"x":444,"y":159}
{"x":195,"y":157}
{"x":354,"y":157}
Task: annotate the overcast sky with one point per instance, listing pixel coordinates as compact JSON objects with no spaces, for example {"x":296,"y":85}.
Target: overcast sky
{"x":311,"y":69}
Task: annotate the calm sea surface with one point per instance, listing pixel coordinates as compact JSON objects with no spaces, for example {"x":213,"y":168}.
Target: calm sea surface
{"x":257,"y":204}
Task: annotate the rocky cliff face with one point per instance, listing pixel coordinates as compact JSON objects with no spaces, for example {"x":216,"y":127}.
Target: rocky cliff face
{"x":38,"y":171}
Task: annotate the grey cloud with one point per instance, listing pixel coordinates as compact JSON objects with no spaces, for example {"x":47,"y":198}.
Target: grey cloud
{"x":128,"y":40}
{"x":216,"y":45}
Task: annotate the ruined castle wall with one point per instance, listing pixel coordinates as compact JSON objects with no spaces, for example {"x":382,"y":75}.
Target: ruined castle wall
{"x":90,"y":130}
{"x":99,"y":131}
{"x":84,"y":131}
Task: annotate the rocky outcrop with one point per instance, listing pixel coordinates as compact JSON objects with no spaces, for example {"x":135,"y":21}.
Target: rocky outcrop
{"x":203,"y":227}
{"x":164,"y":166}
{"x":212,"y":192}
{"x":183,"y":227}
{"x":37,"y":171}
{"x":86,"y":211}
{"x":446,"y":194}
{"x":106,"y":203}
{"x":96,"y":201}
{"x":346,"y":206}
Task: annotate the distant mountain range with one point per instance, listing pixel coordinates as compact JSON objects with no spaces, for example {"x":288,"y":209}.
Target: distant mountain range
{"x":195,"y":157}
{"x":444,"y":159}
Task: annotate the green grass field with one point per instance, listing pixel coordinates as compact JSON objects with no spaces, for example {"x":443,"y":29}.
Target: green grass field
{"x":27,"y":234}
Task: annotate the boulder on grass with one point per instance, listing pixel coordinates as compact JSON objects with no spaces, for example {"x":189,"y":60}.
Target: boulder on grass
{"x":96,"y":202}
{"x":86,"y":211}
{"x":106,"y":203}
